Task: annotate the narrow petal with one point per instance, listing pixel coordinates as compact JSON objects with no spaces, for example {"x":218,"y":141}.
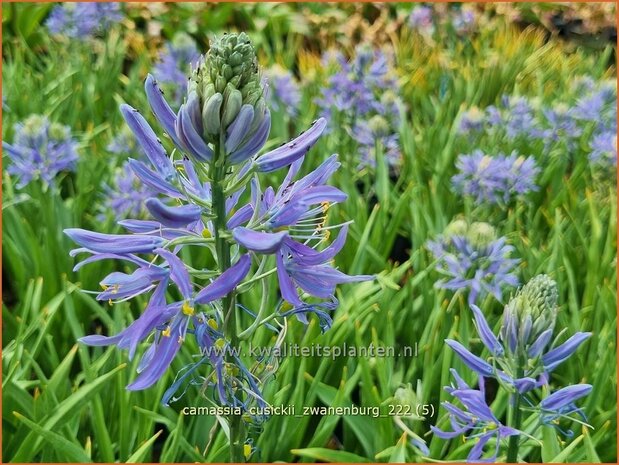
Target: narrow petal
{"x":114,"y":243}
{"x":561,"y":353}
{"x":286,"y":285}
{"x":475,"y":403}
{"x":293,"y":150}
{"x":178,"y":272}
{"x":478,"y":449}
{"x":188,"y":135}
{"x":304,"y":255}
{"x":160,"y":107}
{"x":226,"y":281}
{"x":254,"y":143}
{"x":260,"y":242}
{"x":565,"y":396}
{"x":173,"y":217}
{"x":148,"y":140}
{"x":540,"y":343}
{"x":153,"y":179}
{"x":485,"y":333}
{"x":239,"y":127}
{"x":474,"y":362}
{"x":242,"y":215}
{"x":165,"y":352}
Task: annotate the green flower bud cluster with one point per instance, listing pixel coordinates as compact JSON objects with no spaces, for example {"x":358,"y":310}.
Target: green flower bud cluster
{"x":225,"y":80}
{"x":531,"y":312}
{"x":478,"y":234}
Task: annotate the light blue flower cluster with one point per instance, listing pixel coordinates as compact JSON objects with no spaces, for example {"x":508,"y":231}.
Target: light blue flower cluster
{"x":424,"y":19}
{"x":196,"y":208}
{"x":284,"y":93}
{"x":474,"y":259}
{"x":41,"y":150}
{"x":362,"y":96}
{"x":495,"y":179}
{"x":80,"y":20}
{"x":174,"y":65}
{"x":588,"y":119}
{"x":127,"y":196}
{"x":521,"y":359}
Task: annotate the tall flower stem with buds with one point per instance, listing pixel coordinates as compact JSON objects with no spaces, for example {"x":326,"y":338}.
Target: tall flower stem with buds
{"x":515,"y":416}
{"x":218,"y":169}
{"x":218,"y":133}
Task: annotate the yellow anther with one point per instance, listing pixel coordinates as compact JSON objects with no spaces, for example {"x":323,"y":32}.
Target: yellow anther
{"x":115,"y":289}
{"x":187,"y":309}
{"x":212,"y":323}
{"x":247,"y":450}
{"x":287,"y":306}
{"x":206,"y":234}
{"x":325,"y":206}
{"x":220,"y":343}
{"x":104,"y":287}
{"x":166,"y":332}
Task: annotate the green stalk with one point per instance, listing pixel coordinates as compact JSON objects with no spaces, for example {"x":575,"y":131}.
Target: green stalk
{"x":237,"y":433}
{"x":516,"y":417}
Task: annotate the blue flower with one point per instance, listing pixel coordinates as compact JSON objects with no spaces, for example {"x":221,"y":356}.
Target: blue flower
{"x":562,"y":403}
{"x":421,"y":20}
{"x":604,"y":149}
{"x":495,"y":179}
{"x":40,"y":150}
{"x":475,"y":420}
{"x":169,"y":322}
{"x":127,"y":196}
{"x":377,"y":131}
{"x":284,"y":93}
{"x":526,"y":332}
{"x":474,"y":259}
{"x":355,"y":90}
{"x":83,"y":19}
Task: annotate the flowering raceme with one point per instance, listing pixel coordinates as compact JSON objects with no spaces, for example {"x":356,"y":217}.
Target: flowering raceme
{"x":284,"y":93}
{"x":362,"y":96}
{"x":80,"y":20}
{"x":218,"y":133}
{"x":474,"y":259}
{"x":521,"y":359}
{"x":41,"y":150}
{"x":495,"y":179}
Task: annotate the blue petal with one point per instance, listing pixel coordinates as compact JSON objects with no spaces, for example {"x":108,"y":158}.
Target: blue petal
{"x":565,"y":396}
{"x":162,"y":357}
{"x":239,"y":127}
{"x":260,"y":242}
{"x":148,"y":140}
{"x":160,"y":107}
{"x":291,"y":151}
{"x":174,"y":217}
{"x":559,"y":354}
{"x":114,"y":243}
{"x":474,"y":362}
{"x":225,"y":282}
{"x":485,"y":333}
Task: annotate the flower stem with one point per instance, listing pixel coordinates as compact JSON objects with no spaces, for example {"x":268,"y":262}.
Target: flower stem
{"x":237,"y":434}
{"x":516,"y":418}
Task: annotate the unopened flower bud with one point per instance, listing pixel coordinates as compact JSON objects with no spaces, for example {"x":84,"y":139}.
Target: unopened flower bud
{"x":481,"y":235}
{"x":457,"y":227}
{"x":529,"y":317}
{"x":226,"y":81}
